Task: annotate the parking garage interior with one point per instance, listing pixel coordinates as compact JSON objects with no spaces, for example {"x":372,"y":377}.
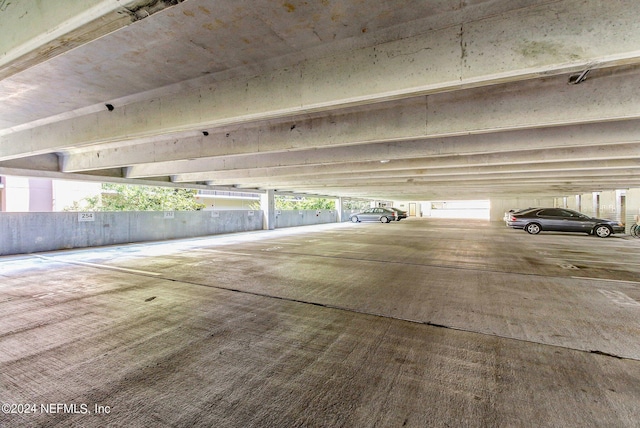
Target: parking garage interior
{"x":258,"y":317}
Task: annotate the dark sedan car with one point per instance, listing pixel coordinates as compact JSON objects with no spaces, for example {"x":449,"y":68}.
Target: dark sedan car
{"x":562,"y":220}
{"x":384,"y":215}
{"x":399,"y":213}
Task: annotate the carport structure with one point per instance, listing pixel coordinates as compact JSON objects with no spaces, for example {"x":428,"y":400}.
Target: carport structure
{"x":523,"y":102}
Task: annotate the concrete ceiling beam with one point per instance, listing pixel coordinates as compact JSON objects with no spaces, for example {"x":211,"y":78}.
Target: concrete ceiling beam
{"x":430,"y":193}
{"x":516,"y":45}
{"x":185,"y":48}
{"x":472,"y":163}
{"x":35,"y":31}
{"x":574,"y":177}
{"x":26,"y":172}
{"x":400,"y":155}
{"x":466,"y":113}
{"x":558,"y":170}
{"x":522,"y":186}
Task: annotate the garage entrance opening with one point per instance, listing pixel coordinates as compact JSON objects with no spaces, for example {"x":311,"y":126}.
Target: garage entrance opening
{"x":477,"y":209}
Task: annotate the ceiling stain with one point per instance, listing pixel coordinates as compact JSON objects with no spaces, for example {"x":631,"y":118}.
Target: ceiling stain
{"x":537,"y":49}
{"x":290,"y":8}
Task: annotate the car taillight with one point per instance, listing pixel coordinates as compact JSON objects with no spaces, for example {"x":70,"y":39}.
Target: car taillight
{"x":512,"y":218}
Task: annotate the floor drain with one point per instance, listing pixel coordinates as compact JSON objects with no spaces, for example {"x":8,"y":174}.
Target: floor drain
{"x":568,"y":266}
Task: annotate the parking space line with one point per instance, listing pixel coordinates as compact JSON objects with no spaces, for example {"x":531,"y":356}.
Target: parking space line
{"x":207,"y":250}
{"x":596,"y":260}
{"x":97,"y":265}
{"x":619,"y":298}
{"x":622,"y":281}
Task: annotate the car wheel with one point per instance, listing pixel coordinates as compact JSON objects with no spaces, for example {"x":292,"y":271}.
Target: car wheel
{"x":384,"y":219}
{"x":354,"y":219}
{"x":533,"y":228}
{"x":602,"y":231}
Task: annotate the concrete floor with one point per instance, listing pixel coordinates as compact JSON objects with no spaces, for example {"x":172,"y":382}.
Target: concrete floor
{"x":419,"y":323}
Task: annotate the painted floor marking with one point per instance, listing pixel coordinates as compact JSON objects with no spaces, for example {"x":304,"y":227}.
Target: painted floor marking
{"x":619,"y":298}
{"x":604,"y":279}
{"x":602,"y":262}
{"x":101,"y":266}
{"x":207,"y":250}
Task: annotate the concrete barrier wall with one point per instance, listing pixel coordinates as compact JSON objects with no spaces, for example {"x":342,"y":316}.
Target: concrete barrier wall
{"x":347,"y":213}
{"x":292,"y":218}
{"x":32,"y":232}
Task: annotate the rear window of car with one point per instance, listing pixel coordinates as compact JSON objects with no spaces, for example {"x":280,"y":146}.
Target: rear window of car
{"x":551,"y":213}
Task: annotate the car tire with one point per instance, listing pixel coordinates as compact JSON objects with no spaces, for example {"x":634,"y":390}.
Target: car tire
{"x":602,"y":231}
{"x":533,"y":228}
{"x":384,"y":219}
{"x":354,"y":219}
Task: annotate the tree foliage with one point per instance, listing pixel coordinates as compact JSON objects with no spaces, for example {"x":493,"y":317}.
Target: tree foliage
{"x":309,"y":203}
{"x":125,"y":197}
{"x":350,"y":204}
{"x":299,"y":203}
{"x":303,"y":203}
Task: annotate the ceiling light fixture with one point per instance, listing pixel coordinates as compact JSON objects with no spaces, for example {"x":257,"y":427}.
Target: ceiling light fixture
{"x":384,"y":161}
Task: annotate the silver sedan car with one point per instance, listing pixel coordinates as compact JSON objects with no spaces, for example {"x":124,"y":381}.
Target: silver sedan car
{"x":384,"y":215}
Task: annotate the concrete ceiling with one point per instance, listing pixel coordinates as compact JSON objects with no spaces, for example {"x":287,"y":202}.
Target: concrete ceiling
{"x":412,"y":99}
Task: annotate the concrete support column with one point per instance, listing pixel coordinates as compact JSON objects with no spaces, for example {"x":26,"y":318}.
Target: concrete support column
{"x":587,"y":201}
{"x":3,"y":195}
{"x":425,"y":209}
{"x":608,"y":205}
{"x":632,"y":203}
{"x":620,"y":205}
{"x":339,"y":205}
{"x":268,"y":207}
{"x":573,"y":202}
{"x":17,"y":194}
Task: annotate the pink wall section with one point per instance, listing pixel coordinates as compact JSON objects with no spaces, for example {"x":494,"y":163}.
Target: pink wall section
{"x":26,"y":194}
